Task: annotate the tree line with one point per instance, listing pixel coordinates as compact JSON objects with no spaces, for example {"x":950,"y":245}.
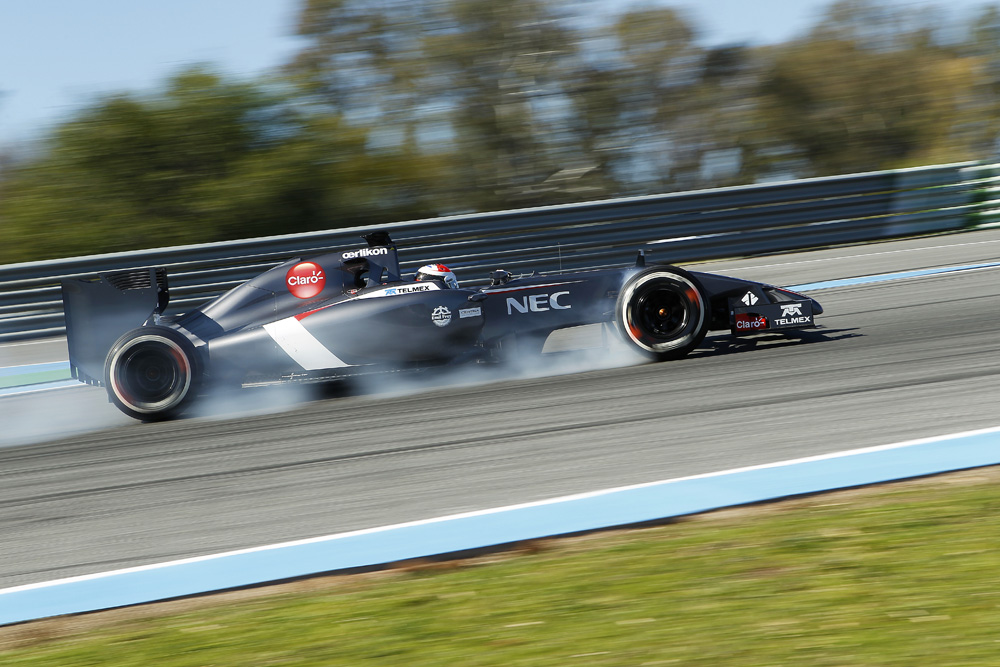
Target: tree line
{"x":408,"y":109}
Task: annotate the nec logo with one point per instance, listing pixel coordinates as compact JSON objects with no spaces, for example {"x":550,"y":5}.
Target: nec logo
{"x":537,"y":303}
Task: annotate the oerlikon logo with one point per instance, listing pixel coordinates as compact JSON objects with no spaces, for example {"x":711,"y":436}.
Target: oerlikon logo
{"x":305,"y":280}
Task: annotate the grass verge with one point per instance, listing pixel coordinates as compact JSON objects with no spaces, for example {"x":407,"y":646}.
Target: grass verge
{"x":904,"y":574}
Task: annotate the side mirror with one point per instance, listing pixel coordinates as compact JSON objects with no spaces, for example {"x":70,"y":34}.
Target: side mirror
{"x":500,"y":277}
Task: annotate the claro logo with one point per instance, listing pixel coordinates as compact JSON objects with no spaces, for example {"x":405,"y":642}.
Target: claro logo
{"x":537,"y":303}
{"x":746,"y":322}
{"x":305,"y":280}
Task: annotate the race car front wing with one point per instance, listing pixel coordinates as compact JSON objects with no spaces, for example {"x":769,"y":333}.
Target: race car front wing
{"x":770,"y":317}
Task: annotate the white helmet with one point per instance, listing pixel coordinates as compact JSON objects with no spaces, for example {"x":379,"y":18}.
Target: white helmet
{"x":437,"y":272}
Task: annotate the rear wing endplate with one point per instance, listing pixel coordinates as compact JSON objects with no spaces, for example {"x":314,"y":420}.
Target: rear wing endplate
{"x":99,"y":311}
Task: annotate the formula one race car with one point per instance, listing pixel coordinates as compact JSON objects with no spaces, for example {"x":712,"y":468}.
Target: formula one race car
{"x":350,"y":312}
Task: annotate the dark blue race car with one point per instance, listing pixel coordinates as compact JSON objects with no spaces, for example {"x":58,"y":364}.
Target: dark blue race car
{"x":351,"y":311}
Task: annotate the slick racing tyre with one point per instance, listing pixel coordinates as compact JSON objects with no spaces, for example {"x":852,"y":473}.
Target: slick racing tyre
{"x":152,"y":373}
{"x":662,"y":313}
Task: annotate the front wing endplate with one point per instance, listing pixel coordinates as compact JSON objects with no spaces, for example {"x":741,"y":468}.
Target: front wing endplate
{"x":769,"y":317}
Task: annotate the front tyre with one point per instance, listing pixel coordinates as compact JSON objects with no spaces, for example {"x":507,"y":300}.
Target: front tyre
{"x":152,"y":373}
{"x":662,"y":313}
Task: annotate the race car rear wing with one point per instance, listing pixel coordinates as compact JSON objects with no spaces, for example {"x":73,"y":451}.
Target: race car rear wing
{"x":99,"y":311}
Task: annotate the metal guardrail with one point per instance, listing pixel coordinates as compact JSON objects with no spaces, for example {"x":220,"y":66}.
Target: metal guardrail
{"x":677,"y":227}
{"x":984,"y":182}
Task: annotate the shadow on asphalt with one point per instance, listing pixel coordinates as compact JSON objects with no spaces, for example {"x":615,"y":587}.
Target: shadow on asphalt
{"x":727,"y":344}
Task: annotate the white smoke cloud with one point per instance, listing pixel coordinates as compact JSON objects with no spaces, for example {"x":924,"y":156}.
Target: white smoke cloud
{"x":64,"y":413}
{"x":566,"y":351}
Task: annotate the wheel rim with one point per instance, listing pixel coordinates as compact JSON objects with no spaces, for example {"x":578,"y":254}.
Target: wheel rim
{"x":662,"y":312}
{"x":150,"y":374}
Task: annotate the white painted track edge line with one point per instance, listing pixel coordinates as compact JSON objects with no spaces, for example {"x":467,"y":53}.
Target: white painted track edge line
{"x":507,"y":508}
{"x":877,"y":278}
{"x":865,"y":254}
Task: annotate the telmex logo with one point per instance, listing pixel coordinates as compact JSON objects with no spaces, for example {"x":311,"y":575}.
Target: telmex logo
{"x":803,"y":319}
{"x":392,"y":291}
{"x":537,"y":303}
{"x":365,"y":252}
{"x":305,"y":280}
{"x":788,"y":311}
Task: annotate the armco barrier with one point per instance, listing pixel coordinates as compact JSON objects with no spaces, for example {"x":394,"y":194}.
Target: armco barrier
{"x":677,"y":227}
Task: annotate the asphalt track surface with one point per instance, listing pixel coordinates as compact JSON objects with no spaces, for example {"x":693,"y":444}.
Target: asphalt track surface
{"x":894,"y":361}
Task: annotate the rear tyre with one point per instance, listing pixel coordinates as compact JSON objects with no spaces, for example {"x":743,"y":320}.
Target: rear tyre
{"x":152,"y":373}
{"x":662,"y":313}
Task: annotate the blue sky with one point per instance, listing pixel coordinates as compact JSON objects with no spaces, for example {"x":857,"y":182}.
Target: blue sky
{"x":58,"y":55}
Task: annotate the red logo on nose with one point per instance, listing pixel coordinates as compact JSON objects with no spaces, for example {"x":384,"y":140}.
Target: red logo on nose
{"x":305,"y":280}
{"x":748,"y":322}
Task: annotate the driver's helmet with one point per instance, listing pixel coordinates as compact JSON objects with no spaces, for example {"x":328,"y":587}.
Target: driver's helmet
{"x":437,"y":272}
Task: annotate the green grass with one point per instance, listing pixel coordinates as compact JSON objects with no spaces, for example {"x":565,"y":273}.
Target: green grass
{"x":901,"y":575}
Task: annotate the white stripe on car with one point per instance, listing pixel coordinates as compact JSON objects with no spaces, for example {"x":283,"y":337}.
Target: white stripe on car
{"x":302,"y":346}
